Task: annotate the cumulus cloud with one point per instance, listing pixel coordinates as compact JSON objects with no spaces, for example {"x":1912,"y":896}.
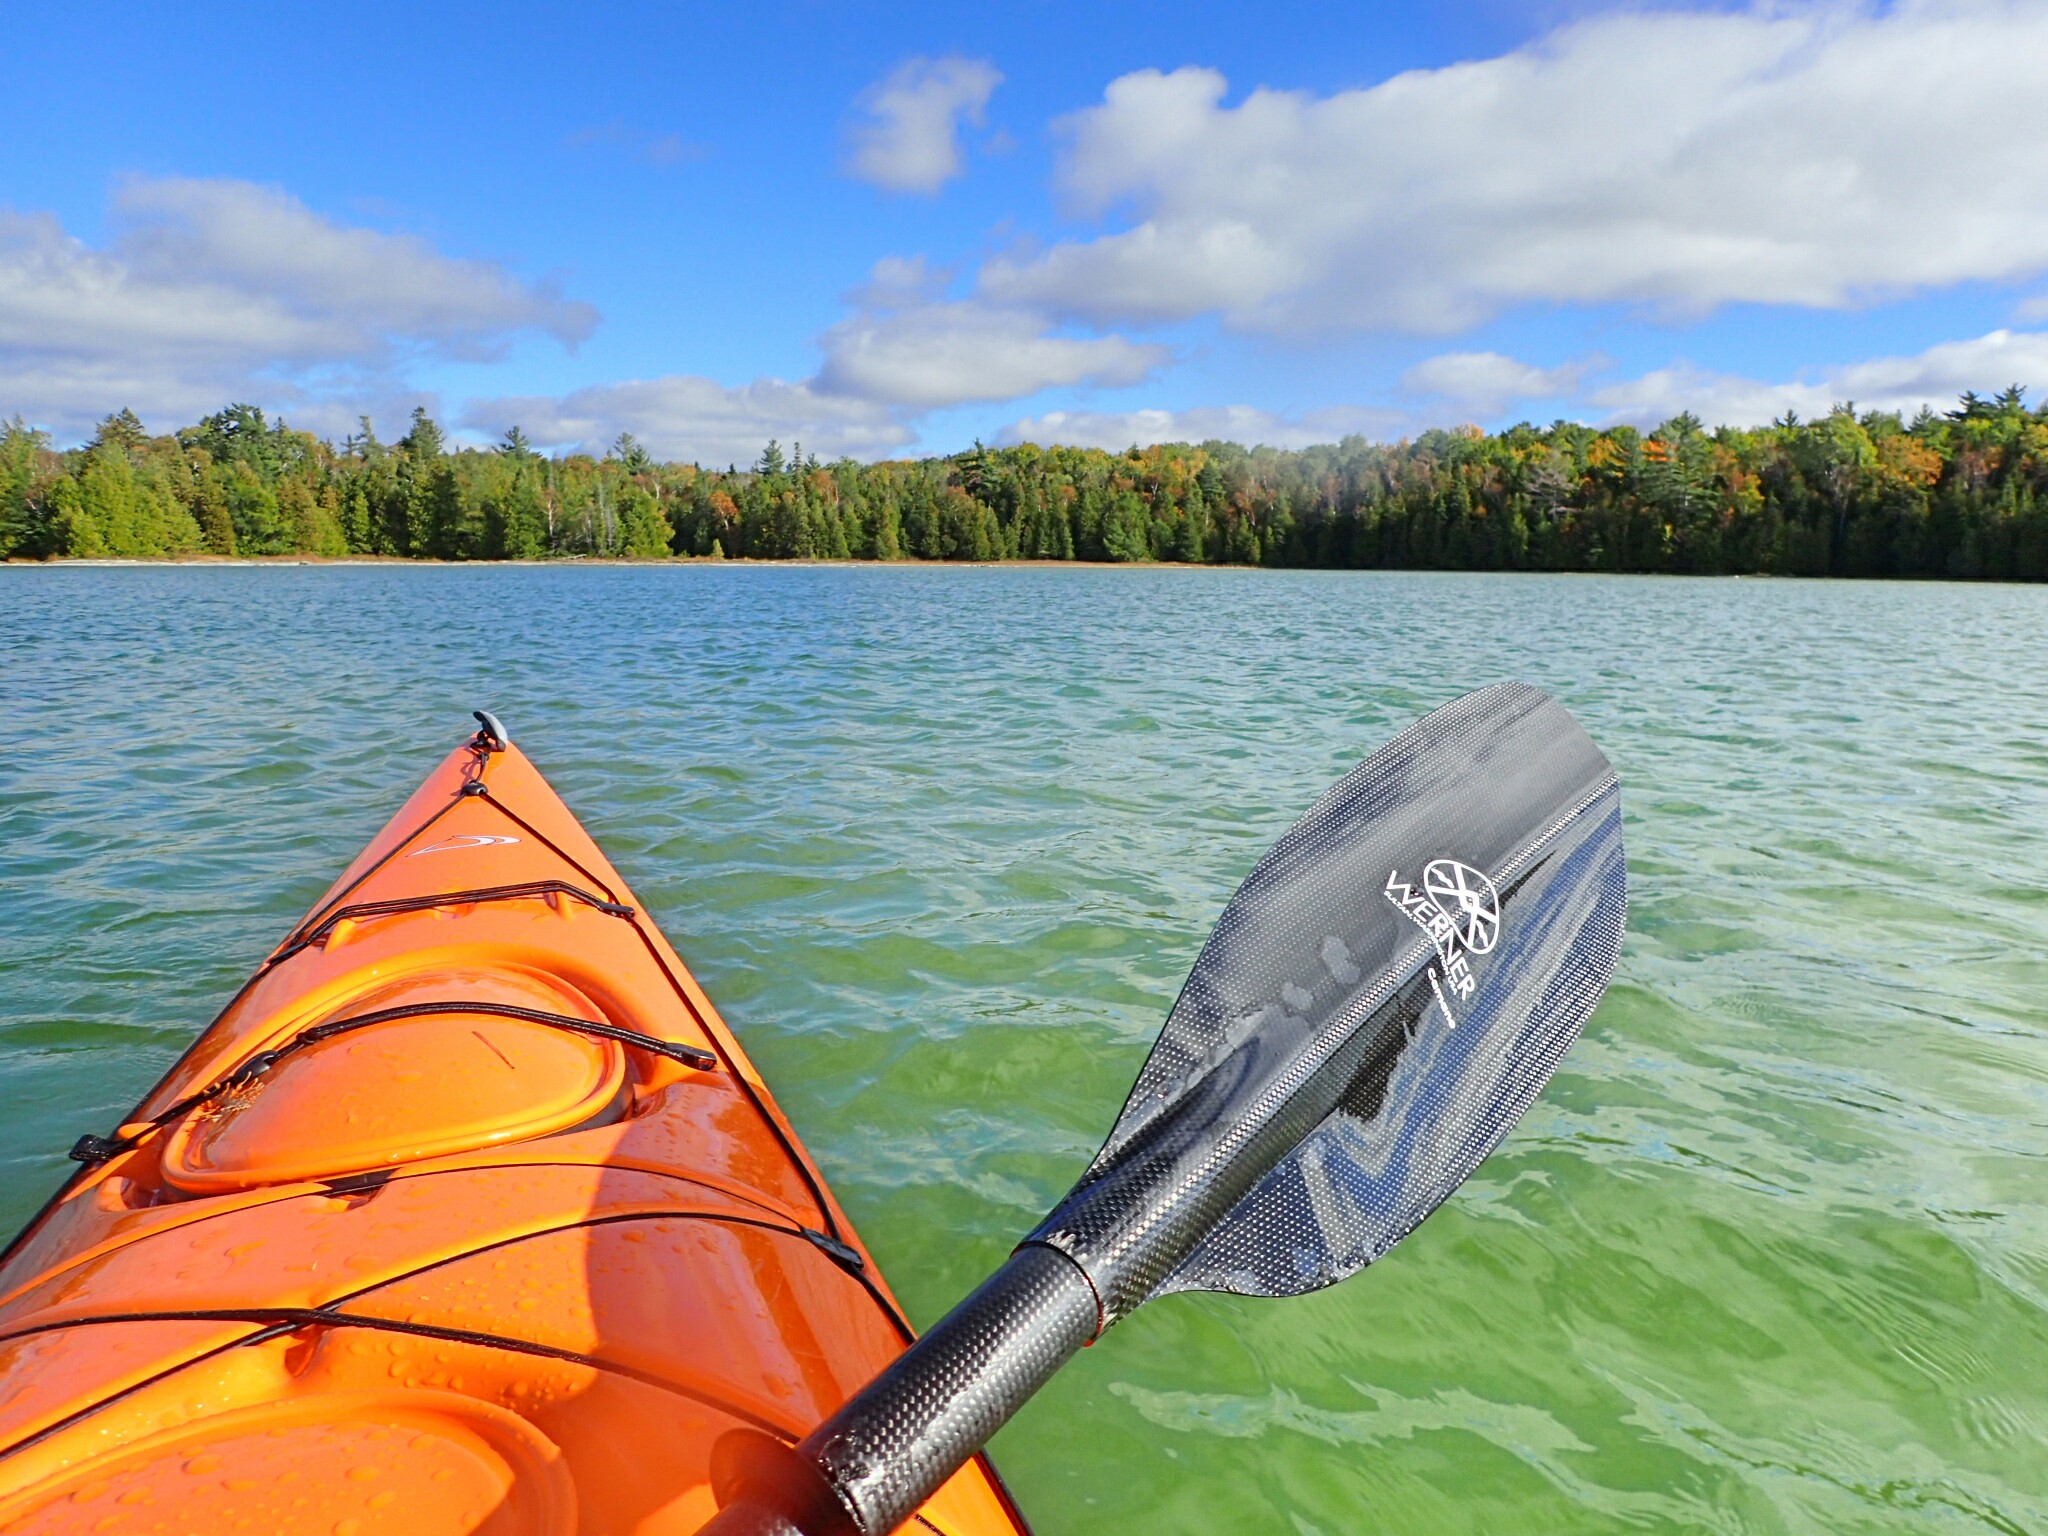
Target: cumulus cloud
{"x":215,"y":289}
{"x":882,"y":369}
{"x":909,"y":136}
{"x":942,"y":354}
{"x":1117,"y":430}
{"x":695,"y":419}
{"x":1483,"y":383}
{"x":1679,"y":161}
{"x":352,"y":291}
{"x":896,"y":282}
{"x":1933,"y":377}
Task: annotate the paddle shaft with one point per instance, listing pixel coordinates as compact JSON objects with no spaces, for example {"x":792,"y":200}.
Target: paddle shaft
{"x":865,"y":1470}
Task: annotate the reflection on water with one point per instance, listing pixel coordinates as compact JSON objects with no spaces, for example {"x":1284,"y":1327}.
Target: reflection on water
{"x":1771,"y":1254}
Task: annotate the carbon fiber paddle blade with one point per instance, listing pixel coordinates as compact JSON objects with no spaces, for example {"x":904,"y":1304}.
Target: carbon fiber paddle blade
{"x":1384,"y":996}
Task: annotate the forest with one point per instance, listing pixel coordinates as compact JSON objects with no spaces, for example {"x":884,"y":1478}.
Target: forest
{"x":1961,"y":493}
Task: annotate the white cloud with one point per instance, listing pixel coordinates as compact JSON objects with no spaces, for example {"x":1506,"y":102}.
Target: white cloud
{"x":881,"y":370}
{"x":212,"y":290}
{"x":1117,"y":430}
{"x":1800,"y":154}
{"x":356,"y":291}
{"x":1483,"y":383}
{"x":910,"y":139}
{"x":1934,"y":377}
{"x":896,"y":282}
{"x":942,"y":354}
{"x":699,"y":420}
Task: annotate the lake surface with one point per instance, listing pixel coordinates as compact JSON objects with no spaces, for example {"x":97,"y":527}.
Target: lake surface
{"x":1770,"y":1255}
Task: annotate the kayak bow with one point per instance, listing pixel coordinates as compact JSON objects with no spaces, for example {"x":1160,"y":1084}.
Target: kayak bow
{"x":467,"y":1214}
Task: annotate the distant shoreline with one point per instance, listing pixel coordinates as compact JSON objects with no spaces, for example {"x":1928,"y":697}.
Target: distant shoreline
{"x":106,"y":562}
{"x":1962,"y":494}
{"x":703,"y":562}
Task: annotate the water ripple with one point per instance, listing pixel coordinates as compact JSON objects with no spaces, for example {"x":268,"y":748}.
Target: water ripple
{"x":1771,"y":1255}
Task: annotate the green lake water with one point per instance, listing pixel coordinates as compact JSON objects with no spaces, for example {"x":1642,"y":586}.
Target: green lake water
{"x":1770,"y":1255}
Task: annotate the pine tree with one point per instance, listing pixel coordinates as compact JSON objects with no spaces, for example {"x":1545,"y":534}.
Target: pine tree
{"x":423,"y":442}
{"x":216,"y":521}
{"x":627,"y":450}
{"x":1194,"y":518}
{"x":23,"y":528}
{"x":123,"y":431}
{"x":643,"y":531}
{"x":1126,"y":528}
{"x":106,"y":493}
{"x":253,"y":507}
{"x":299,"y":517}
{"x":72,"y":531}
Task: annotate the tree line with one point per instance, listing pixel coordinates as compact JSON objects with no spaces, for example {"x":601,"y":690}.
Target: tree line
{"x":1961,"y":493}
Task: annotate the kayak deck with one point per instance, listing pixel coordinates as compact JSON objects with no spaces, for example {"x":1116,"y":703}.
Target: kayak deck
{"x":467,"y":1214}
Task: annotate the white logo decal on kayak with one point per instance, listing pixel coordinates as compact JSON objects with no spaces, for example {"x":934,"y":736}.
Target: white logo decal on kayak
{"x":1460,"y":911}
{"x":466,"y":840}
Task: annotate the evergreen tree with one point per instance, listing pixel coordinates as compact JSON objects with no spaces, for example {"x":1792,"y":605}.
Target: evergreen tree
{"x":106,"y":494}
{"x":299,"y":518}
{"x":520,"y":519}
{"x":631,"y":455}
{"x":423,"y":442}
{"x":643,"y":531}
{"x":216,"y":520}
{"x":1126,"y":528}
{"x":122,"y":431}
{"x":71,"y":531}
{"x":252,"y":508}
{"x":1187,"y":540}
{"x":24,"y":531}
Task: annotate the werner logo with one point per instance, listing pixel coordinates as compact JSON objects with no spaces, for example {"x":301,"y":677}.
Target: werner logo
{"x":1460,"y":911}
{"x":466,"y":840}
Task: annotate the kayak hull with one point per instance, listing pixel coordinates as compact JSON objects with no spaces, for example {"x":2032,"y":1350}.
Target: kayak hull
{"x":467,"y":1214}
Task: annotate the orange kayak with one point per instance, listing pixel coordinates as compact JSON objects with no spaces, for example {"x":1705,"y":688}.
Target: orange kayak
{"x":468,"y":1214}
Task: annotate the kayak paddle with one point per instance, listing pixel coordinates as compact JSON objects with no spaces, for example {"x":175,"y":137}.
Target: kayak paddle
{"x":1384,"y":996}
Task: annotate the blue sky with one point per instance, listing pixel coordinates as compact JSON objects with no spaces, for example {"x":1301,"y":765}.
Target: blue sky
{"x":892,"y":232}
